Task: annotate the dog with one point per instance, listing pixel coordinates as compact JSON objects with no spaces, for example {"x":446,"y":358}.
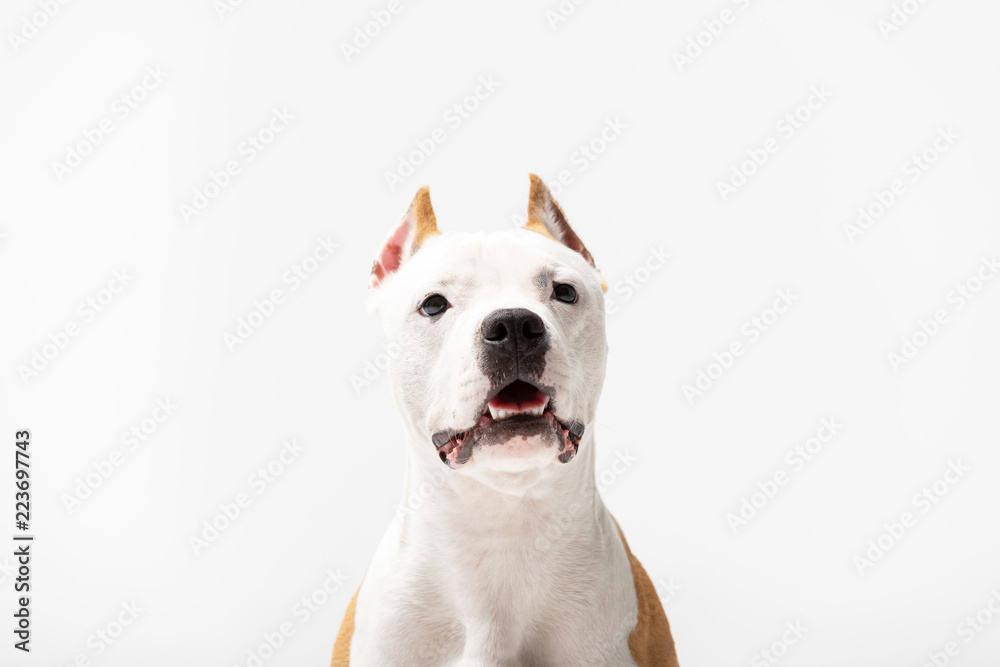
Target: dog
{"x":511,"y":559}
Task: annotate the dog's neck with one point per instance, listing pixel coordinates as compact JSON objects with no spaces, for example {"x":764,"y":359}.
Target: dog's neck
{"x":444,"y":501}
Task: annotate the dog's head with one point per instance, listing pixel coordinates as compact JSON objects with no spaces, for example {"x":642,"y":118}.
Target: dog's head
{"x":498,"y":338}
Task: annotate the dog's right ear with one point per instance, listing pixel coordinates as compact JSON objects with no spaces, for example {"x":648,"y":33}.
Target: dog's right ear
{"x":417,"y":225}
{"x":546,"y":218}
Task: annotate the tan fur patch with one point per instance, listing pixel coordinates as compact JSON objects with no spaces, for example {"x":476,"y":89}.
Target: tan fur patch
{"x":538,"y":227}
{"x":539,"y":199}
{"x":650,"y":642}
{"x":423,"y":218}
{"x":342,"y":647}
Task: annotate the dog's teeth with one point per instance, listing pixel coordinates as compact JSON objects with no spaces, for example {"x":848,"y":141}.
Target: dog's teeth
{"x":497,"y":413}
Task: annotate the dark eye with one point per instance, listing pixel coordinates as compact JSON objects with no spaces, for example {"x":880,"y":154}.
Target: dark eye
{"x":433,"y":305}
{"x":565,"y":293}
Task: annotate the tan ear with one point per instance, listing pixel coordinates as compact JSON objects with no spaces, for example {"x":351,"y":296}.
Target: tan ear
{"x":545,"y":217}
{"x":417,"y":225}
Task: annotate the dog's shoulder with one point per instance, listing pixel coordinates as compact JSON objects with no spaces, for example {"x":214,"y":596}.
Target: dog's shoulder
{"x":342,"y":647}
{"x":650,"y":642}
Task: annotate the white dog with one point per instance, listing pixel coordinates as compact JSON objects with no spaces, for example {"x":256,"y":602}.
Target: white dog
{"x":512,"y":560}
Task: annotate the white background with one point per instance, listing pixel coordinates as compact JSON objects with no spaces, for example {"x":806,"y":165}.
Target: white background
{"x":728,"y":594}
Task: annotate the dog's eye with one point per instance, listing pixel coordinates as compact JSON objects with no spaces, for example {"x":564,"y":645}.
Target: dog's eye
{"x":565,"y":293}
{"x":433,"y":305}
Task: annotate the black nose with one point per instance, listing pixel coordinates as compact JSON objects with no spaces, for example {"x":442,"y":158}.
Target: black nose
{"x":514,"y":329}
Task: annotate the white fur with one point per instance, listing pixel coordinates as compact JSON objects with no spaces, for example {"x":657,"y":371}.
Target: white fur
{"x":512,"y":559}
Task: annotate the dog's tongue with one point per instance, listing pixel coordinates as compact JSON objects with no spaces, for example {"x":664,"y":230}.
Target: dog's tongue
{"x":518,"y":396}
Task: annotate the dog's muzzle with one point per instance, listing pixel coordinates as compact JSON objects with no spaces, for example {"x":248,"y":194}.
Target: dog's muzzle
{"x":514,"y":342}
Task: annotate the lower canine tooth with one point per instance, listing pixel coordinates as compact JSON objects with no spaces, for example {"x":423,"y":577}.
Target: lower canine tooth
{"x":493,"y":412}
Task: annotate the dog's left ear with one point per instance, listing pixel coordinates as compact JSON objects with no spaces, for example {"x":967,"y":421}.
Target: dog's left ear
{"x":546,"y":218}
{"x":417,"y":225}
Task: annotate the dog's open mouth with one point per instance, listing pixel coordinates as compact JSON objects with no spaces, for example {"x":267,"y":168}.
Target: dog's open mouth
{"x":518,"y":409}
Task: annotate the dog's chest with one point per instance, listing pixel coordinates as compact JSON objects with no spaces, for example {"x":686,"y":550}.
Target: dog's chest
{"x":562,"y":598}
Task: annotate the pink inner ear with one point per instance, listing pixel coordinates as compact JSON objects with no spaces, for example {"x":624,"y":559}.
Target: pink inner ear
{"x":391,"y":256}
{"x":392,"y":253}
